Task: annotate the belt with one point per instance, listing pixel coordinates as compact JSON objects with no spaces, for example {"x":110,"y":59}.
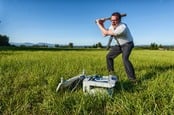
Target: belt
{"x":131,"y":42}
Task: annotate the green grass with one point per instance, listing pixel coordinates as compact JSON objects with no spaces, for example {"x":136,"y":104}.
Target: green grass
{"x":28,"y":81}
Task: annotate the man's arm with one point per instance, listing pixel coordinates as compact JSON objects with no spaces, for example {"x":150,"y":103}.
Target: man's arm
{"x":104,"y":31}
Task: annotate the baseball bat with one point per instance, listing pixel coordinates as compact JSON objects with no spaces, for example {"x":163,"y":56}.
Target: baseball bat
{"x":109,"y":18}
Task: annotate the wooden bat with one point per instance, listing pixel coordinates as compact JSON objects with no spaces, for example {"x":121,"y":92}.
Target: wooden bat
{"x":109,"y":18}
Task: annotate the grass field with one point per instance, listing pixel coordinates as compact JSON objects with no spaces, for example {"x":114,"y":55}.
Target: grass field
{"x":28,"y":81}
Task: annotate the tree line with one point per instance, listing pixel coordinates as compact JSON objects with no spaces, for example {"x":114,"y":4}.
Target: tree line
{"x":4,"y":40}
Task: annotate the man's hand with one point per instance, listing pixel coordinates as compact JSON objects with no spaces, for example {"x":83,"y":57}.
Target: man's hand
{"x":100,"y":21}
{"x":100,"y":24}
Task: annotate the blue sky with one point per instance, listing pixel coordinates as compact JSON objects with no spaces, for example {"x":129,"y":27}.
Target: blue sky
{"x":64,"y":21}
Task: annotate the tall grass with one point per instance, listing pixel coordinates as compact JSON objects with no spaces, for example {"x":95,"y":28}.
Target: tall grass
{"x":28,"y":81}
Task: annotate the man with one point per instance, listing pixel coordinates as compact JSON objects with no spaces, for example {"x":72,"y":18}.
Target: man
{"x":124,"y":39}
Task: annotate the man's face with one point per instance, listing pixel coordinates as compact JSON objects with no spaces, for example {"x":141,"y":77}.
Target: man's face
{"x":115,"y":20}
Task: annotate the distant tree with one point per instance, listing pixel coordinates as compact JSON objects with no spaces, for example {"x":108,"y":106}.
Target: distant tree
{"x":70,"y":45}
{"x":160,"y":46}
{"x":22,"y":46}
{"x":99,"y":45}
{"x":154,"y":46}
{"x":94,"y":46}
{"x":4,"y":40}
{"x":40,"y":46}
{"x":44,"y":46}
{"x":57,"y":45}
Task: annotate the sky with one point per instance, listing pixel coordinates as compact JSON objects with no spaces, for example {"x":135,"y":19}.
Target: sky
{"x":65,"y":21}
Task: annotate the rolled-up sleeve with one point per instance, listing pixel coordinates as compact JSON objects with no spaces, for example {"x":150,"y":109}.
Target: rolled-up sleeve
{"x":120,"y":30}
